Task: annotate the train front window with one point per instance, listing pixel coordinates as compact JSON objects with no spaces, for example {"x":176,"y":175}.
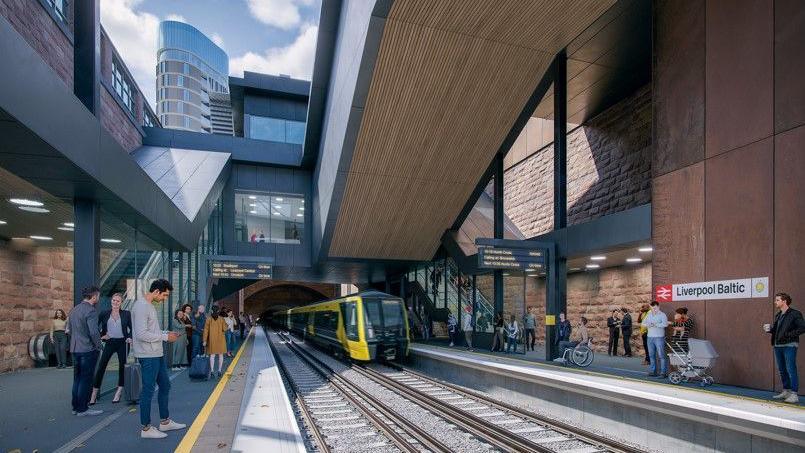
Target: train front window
{"x":351,"y":320}
{"x":393,"y":316}
{"x":372,"y":318}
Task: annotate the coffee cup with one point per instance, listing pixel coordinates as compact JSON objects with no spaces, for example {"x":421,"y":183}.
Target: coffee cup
{"x":767,"y":327}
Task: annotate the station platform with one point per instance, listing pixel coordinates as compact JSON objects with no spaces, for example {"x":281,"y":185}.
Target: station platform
{"x":647,"y":412}
{"x":247,"y":408}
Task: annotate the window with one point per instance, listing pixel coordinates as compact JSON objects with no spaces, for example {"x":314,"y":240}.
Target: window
{"x":148,"y":121}
{"x":276,"y":129}
{"x":60,"y":8}
{"x":350,"y":320}
{"x":275,"y":218}
{"x":122,"y":85}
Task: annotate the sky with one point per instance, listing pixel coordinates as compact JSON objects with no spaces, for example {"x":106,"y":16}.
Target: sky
{"x":268,"y":36}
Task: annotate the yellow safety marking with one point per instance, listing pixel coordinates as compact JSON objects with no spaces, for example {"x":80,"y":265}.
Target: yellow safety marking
{"x":627,"y":378}
{"x":192,"y":434}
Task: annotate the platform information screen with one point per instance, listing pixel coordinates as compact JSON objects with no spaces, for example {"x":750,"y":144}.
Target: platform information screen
{"x":236,"y":269}
{"x":495,"y":257}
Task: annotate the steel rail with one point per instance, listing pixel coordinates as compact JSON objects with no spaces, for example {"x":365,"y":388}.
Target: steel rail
{"x":344,"y":386}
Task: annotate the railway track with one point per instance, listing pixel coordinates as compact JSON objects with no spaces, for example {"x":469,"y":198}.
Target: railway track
{"x":503,"y":426}
{"x":534,"y":432}
{"x":340,"y":416}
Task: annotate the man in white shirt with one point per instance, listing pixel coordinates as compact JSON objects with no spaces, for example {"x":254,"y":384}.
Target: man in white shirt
{"x":466,"y":320}
{"x":656,"y":321}
{"x":147,"y":348}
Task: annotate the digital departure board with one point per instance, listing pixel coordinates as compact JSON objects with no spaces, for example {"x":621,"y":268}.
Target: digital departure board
{"x":509,"y":258}
{"x":237,"y":269}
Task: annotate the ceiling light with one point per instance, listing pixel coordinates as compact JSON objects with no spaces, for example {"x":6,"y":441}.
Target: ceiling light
{"x":575,"y":268}
{"x":277,"y":206}
{"x":252,"y":197}
{"x":3,"y":222}
{"x":300,"y":215}
{"x":66,"y":228}
{"x":26,"y":202}
{"x":35,"y":209}
{"x":277,"y":213}
{"x":592,"y":266}
{"x":111,"y":241}
{"x":302,"y":209}
{"x":598,"y":258}
{"x":69,"y":224}
{"x":253,"y":205}
{"x":41,"y":238}
{"x":278,"y":199}
{"x":252,"y":212}
{"x":634,"y":260}
{"x":646,"y":249}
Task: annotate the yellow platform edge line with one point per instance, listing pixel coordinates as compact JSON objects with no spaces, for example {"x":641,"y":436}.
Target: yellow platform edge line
{"x":627,"y":378}
{"x":190,"y":438}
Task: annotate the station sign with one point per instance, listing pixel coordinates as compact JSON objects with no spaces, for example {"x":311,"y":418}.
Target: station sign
{"x":239,"y":269}
{"x":743,"y":288}
{"x":510,"y":258}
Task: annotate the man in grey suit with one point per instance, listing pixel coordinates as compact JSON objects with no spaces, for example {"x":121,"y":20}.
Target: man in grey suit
{"x":85,"y":345}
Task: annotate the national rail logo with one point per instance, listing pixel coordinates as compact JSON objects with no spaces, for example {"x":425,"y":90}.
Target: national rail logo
{"x":663,"y":293}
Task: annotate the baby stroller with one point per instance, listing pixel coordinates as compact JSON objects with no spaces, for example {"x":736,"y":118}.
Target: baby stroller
{"x":694,"y":364}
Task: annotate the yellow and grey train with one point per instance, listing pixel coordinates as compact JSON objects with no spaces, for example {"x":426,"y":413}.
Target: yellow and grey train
{"x":368,"y":326}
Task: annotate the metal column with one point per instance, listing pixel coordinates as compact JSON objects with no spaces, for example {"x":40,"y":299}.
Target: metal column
{"x":86,"y":246}
{"x":87,"y":54}
{"x":498,"y":226}
{"x":556,"y":280}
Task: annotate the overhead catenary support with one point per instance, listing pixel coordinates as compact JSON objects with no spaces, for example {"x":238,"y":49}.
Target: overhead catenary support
{"x":498,"y":229}
{"x":557,"y":273}
{"x":86,"y":246}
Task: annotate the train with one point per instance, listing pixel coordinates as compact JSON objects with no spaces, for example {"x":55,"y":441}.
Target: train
{"x":367,"y":326}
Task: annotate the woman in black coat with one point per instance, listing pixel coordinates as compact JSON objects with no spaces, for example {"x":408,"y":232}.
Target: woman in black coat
{"x":115,"y":328}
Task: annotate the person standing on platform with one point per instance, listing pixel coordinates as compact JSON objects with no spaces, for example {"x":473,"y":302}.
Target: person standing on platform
{"x":180,"y":358}
{"x":512,"y":333}
{"x":530,"y":326}
{"x":626,"y":330}
{"x":147,"y":348}
{"x":452,"y":328}
{"x":788,"y":325}
{"x":229,"y":319}
{"x":656,"y":321}
{"x":466,"y":326}
{"x":187,"y":320}
{"x":58,"y":337}
{"x":498,"y":342}
{"x":85,"y":345}
{"x":614,"y":324}
{"x":563,"y":330}
{"x":242,"y":324}
{"x":199,"y":321}
{"x":215,"y":339}
{"x":115,"y":326}
{"x":644,"y":311}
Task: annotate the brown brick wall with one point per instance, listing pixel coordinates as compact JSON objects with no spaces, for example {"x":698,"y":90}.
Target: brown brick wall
{"x":117,"y":123}
{"x":609,"y":170}
{"x":33,"y":284}
{"x":590,"y":294}
{"x":37,"y":27}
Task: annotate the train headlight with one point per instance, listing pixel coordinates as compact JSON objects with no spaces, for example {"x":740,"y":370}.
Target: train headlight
{"x":370,"y":332}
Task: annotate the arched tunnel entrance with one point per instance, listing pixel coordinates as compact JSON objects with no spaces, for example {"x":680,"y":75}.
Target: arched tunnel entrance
{"x":266,"y":297}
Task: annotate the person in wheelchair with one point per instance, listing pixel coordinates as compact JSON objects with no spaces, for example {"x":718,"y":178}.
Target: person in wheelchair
{"x":581,"y":337}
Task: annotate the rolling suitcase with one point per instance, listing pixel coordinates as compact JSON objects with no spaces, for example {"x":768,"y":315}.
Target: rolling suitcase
{"x":199,"y":367}
{"x":132,"y":380}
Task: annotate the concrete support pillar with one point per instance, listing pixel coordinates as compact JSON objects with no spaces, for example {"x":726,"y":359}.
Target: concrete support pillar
{"x":86,"y":246}
{"x":498,"y":227}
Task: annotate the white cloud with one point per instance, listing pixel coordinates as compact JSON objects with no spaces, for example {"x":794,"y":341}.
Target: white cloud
{"x":218,"y":40}
{"x":134,"y":34}
{"x":176,"y":17}
{"x":295,"y":59}
{"x":282,"y":14}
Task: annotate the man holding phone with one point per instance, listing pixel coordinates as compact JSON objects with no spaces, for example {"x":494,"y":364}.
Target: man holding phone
{"x":785,"y":331}
{"x":147,"y":348}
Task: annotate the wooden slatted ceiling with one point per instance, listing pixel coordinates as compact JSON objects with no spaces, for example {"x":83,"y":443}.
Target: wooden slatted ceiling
{"x":449,"y":81}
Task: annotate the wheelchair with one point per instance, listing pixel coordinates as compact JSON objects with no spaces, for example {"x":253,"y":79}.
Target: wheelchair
{"x":581,"y":356}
